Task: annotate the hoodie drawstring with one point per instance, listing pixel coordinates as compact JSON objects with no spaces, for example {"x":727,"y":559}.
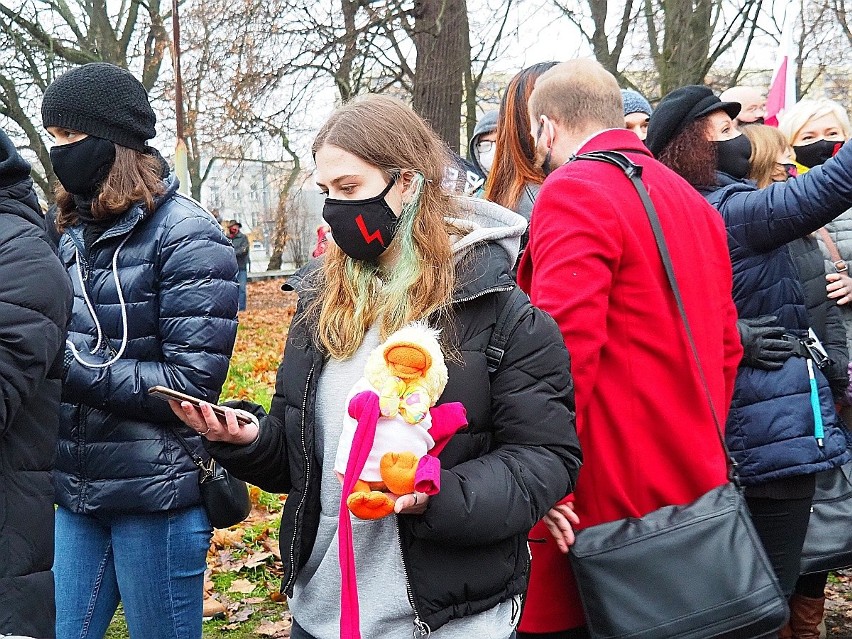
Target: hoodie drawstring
{"x":124,"y":330}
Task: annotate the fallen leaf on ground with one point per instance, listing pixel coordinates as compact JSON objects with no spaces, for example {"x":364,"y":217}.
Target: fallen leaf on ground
{"x":274,"y":629}
{"x":243,"y":586}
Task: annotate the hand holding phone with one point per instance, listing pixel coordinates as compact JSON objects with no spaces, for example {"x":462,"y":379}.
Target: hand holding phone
{"x":164,"y":393}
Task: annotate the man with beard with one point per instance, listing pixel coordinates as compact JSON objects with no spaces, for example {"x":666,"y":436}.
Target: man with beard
{"x":648,"y":435}
{"x":753,"y":104}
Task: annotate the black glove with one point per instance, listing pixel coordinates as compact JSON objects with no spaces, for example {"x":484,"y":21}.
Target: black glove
{"x":763,"y":342}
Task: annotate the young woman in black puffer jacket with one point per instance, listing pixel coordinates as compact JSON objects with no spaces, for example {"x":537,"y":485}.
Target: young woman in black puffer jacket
{"x":453,"y":564}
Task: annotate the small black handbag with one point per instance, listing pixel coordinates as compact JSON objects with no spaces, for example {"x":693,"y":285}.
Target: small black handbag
{"x":225,"y":498}
{"x":828,"y":544}
{"x":680,"y":572}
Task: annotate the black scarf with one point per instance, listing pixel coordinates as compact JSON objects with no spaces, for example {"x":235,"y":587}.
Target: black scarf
{"x":93,"y":227}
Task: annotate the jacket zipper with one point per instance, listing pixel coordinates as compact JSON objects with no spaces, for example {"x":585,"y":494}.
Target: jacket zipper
{"x":421,"y":629}
{"x":487,"y":291}
{"x":307,"y":482}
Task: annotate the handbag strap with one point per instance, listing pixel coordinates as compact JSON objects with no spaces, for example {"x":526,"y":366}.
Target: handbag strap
{"x":206,"y":467}
{"x":634,"y":172}
{"x":839,"y":263}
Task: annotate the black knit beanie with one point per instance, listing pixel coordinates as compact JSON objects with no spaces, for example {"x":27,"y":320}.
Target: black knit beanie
{"x":102,"y":100}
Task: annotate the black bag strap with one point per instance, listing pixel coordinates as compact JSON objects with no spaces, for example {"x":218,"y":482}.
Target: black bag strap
{"x":634,"y":173}
{"x":206,"y":467}
{"x":513,"y":310}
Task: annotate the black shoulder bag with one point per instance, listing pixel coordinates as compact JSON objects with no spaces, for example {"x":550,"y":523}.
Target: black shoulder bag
{"x":828,"y":543}
{"x":225,"y":498}
{"x":688,"y":572}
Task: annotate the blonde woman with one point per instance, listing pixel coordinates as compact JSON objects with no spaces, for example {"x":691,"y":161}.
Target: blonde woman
{"x":453,"y":564}
{"x":816,"y":129}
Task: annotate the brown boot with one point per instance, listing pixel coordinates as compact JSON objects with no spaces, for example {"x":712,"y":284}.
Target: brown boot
{"x":785,"y":632}
{"x":805,"y":616}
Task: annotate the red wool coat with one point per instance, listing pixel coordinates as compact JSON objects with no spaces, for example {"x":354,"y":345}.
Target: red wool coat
{"x":646,"y":430}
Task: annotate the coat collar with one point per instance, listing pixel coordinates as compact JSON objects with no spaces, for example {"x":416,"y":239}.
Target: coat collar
{"x":614,"y":140}
{"x":129,"y":219}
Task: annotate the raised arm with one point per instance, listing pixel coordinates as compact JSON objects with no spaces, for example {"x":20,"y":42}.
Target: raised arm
{"x":766,"y":219}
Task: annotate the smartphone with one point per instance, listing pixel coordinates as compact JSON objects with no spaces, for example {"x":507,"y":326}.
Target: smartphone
{"x":162,"y":392}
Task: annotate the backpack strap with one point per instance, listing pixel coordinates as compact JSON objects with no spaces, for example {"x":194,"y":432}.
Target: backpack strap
{"x":513,"y":310}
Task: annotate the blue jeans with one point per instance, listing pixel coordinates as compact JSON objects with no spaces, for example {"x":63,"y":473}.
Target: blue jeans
{"x":153,"y":562}
{"x":242,"y":278}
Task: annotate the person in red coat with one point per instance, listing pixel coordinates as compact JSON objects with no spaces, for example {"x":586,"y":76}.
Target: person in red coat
{"x":645,"y":428}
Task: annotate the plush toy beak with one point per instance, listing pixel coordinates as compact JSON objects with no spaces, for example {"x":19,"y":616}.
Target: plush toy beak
{"x":408,"y":361}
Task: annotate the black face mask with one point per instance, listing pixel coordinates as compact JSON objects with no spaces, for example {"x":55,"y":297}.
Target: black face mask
{"x":363,"y":229}
{"x":732,"y":156}
{"x":83,"y":165}
{"x":816,"y":153}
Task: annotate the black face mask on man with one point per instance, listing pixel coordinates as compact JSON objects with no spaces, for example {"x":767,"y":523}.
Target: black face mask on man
{"x":83,"y":165}
{"x":546,"y":168}
{"x":363,"y":229}
{"x":816,"y":153}
{"x":732,"y":156}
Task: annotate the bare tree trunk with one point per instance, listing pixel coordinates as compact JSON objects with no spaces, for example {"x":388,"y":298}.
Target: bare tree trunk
{"x":343,"y":73}
{"x":279,"y":235}
{"x":686,"y":43}
{"x":442,"y":40}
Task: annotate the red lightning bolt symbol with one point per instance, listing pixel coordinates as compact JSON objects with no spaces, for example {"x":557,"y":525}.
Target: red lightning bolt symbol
{"x":368,"y":237}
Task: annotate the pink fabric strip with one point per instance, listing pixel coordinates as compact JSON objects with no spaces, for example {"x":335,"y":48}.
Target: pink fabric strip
{"x":365,"y":408}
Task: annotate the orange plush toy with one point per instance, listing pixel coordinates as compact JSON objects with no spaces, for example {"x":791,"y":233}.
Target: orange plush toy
{"x":391,"y":437}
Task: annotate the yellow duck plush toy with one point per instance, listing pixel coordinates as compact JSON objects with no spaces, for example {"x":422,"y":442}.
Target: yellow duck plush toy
{"x":393,"y":406}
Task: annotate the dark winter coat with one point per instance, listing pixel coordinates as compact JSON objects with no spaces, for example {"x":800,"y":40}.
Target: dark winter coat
{"x":840,"y":230}
{"x":177,"y":271}
{"x":35,"y":303}
{"x":770,"y":428}
{"x":518,"y":456}
{"x":824,"y":315}
{"x":241,"y":249}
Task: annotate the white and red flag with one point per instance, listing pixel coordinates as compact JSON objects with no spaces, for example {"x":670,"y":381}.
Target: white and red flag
{"x":782,"y":89}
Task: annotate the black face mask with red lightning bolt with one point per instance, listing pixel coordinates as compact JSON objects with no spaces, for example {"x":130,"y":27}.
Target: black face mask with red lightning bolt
{"x":363,"y":229}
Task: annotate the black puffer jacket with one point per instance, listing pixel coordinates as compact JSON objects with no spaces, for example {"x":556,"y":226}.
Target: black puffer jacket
{"x":517,"y":458}
{"x":35,"y":302}
{"x":823,"y":314}
{"x":173,"y":319}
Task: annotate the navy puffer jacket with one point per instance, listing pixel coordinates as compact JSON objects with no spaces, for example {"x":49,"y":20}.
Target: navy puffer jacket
{"x":178,"y":298}
{"x":770,"y":428}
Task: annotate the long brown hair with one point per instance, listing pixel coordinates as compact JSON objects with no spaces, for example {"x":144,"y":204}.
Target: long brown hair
{"x":134,"y":177}
{"x":766,"y":143}
{"x":352,"y":294}
{"x":514,"y":155}
{"x":691,"y":155}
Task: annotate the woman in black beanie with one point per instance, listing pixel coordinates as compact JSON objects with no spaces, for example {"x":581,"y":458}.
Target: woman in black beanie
{"x":782,"y":427}
{"x":155,"y":303}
